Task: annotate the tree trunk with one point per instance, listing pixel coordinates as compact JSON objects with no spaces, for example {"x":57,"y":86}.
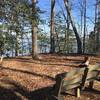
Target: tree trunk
{"x":52,"y":33}
{"x":67,"y":35}
{"x":84,"y":26}
{"x":34,"y":43}
{"x":95,"y":27}
{"x":22,"y":44}
{"x":98,"y":28}
{"x":16,"y":45}
{"x":34,"y":31}
{"x":79,"y":43}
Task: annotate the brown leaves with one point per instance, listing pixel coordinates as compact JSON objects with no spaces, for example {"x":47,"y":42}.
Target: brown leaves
{"x":36,"y":74}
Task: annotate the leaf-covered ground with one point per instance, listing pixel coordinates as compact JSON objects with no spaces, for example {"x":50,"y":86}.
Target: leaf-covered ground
{"x":25,"y":79}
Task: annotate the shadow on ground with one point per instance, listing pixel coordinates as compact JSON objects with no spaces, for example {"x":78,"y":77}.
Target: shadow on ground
{"x":12,"y":90}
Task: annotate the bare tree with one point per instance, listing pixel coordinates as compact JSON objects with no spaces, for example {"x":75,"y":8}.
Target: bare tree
{"x":52,"y":33}
{"x":98,"y":27}
{"x":79,"y":43}
{"x":84,"y":26}
{"x":16,"y":45}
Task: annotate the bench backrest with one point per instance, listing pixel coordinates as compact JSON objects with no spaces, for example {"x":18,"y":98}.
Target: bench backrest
{"x":70,"y":80}
{"x":93,"y":72}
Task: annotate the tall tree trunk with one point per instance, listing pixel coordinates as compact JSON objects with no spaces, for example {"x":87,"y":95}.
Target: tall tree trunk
{"x":57,"y":42}
{"x":84,"y":26}
{"x":79,"y":43}
{"x":67,"y":35}
{"x":16,"y":45}
{"x":95,"y":27}
{"x":81,"y":16}
{"x":98,"y":28}
{"x":52,"y":33}
{"x":22,"y":44}
{"x":34,"y":31}
{"x":34,"y":43}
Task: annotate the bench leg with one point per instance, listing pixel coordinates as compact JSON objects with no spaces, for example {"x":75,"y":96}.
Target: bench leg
{"x":91,"y":84}
{"x":78,"y":92}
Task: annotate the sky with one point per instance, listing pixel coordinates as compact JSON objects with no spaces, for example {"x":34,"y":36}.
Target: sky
{"x":45,"y":5}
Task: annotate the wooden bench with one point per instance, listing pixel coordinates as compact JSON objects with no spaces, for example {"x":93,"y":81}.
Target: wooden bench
{"x":74,"y":79}
{"x":93,"y":74}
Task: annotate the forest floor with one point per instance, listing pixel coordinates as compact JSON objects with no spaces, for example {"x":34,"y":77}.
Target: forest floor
{"x":22,"y":78}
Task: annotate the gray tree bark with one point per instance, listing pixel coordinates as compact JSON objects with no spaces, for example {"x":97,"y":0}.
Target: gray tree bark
{"x":84,"y":26}
{"x":52,"y":31}
{"x":34,"y":31}
{"x":16,"y":45}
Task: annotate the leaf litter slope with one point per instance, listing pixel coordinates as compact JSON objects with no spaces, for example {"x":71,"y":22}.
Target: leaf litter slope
{"x":28,"y":75}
